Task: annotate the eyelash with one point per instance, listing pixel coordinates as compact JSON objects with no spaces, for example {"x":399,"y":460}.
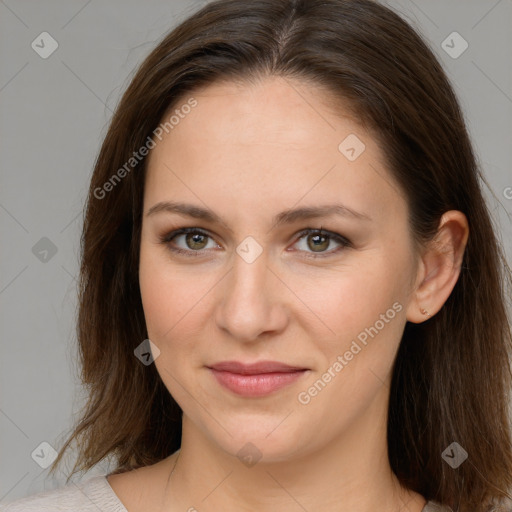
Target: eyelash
{"x":167,"y":238}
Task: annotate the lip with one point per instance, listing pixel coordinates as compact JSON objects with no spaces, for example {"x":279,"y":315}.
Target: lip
{"x":256,"y":379}
{"x":254,"y":368}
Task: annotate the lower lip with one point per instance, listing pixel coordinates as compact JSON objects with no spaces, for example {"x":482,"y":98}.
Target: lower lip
{"x":256,"y":385}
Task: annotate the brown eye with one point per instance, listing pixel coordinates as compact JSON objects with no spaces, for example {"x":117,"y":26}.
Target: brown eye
{"x":193,"y":241}
{"x":318,"y":241}
{"x":196,"y":241}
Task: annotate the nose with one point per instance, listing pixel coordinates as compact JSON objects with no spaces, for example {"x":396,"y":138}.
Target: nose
{"x":252,"y":301}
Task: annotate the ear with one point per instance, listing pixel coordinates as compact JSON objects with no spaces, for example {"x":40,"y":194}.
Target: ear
{"x":439,"y":267}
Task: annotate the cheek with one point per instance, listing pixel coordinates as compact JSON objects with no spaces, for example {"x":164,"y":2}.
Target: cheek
{"x":353,"y":299}
{"x":363,"y":305}
{"x":171,"y":301}
{"x":366,"y":311}
{"x":171,"y":310}
{"x":175,"y":299}
{"x":164,"y":295}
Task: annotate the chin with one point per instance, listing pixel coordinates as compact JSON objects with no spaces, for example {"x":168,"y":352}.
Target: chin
{"x":256,"y":439}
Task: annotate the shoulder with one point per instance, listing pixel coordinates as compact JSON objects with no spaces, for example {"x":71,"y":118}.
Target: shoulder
{"x":90,"y":495}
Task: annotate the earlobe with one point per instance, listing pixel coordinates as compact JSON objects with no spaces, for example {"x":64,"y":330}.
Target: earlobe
{"x":440,"y":267}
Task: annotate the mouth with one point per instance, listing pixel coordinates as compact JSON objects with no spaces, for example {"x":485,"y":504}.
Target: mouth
{"x":256,"y":379}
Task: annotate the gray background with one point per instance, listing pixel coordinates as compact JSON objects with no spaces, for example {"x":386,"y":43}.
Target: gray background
{"x":54,"y":113}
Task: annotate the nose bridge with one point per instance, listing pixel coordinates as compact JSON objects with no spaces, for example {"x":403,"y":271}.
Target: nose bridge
{"x":249,"y":304}
{"x":250,"y":272}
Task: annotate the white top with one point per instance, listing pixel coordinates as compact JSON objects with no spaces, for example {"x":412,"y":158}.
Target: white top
{"x":92,"y":495}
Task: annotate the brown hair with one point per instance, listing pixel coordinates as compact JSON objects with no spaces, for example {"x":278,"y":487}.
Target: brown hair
{"x":451,"y":378}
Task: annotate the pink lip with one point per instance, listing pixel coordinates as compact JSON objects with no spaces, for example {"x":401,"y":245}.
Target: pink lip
{"x":257,"y":379}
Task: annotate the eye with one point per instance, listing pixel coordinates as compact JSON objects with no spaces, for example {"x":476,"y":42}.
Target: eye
{"x":318,"y":239}
{"x":195,"y":242}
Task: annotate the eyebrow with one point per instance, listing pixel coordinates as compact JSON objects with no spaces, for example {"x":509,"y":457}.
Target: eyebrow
{"x":285,"y":217}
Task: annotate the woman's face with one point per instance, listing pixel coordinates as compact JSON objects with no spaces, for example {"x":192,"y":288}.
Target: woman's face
{"x":248,"y":289}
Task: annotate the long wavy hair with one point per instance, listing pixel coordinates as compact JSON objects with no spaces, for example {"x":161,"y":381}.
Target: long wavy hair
{"x":451,"y":378}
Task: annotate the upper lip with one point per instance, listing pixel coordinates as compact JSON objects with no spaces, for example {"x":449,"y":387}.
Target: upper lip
{"x":255,"y":368}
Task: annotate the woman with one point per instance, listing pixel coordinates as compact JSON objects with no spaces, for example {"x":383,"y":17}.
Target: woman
{"x":292,"y":296}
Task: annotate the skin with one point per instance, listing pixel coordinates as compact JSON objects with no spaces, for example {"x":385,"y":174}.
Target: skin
{"x":248,"y":152}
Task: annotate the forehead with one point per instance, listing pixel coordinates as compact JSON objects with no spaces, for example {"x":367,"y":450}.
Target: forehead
{"x":279,"y":140}
{"x":273,"y":111}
